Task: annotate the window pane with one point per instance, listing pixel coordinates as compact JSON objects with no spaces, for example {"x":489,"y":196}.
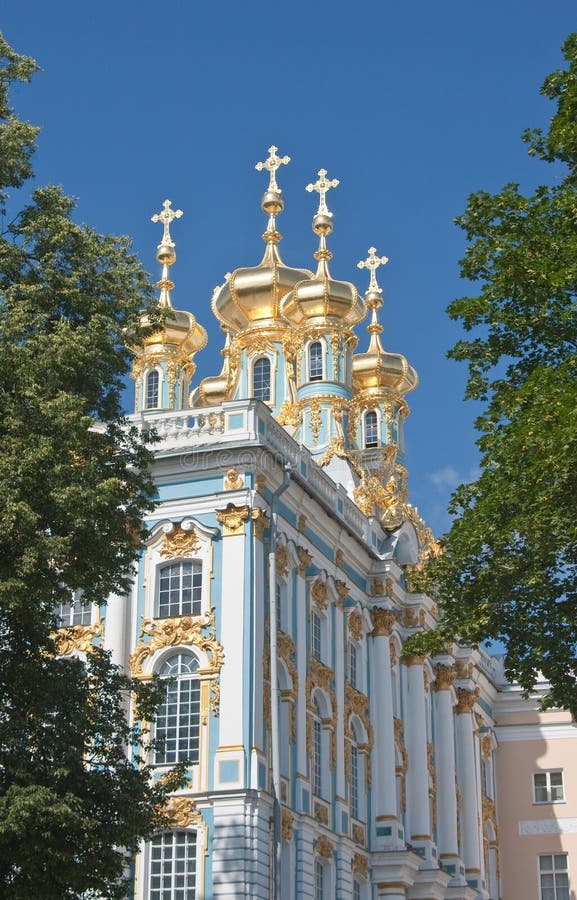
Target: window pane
{"x":316,"y":635}
{"x":560,"y":861}
{"x":180,"y":590}
{"x":261,"y":379}
{"x":172,"y":869}
{"x":546,"y":863}
{"x":152,"y":383}
{"x":178,"y":717}
{"x":315,"y":361}
{"x":371,"y":429}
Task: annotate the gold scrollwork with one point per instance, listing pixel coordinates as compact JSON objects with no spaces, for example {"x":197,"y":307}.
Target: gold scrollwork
{"x":233,"y":480}
{"x":466,"y":700}
{"x":355,"y":626}
{"x":358,"y":834}
{"x":323,"y":847}
{"x":215,"y":696}
{"x":360,"y":865}
{"x":282,"y":560}
{"x":232,"y":519}
{"x":445,"y":676}
{"x":182,"y":812}
{"x":180,"y":543}
{"x":383,"y":622}
{"x":173,"y":632}
{"x":287,"y":825}
{"x":305,"y":559}
{"x":76,"y":637}
{"x":261,"y":521}
{"x":319,"y":594}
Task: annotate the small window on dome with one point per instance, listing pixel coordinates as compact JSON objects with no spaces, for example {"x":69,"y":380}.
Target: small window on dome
{"x":315,"y":361}
{"x":261,"y":379}
{"x":152,"y":386}
{"x":371,"y":429}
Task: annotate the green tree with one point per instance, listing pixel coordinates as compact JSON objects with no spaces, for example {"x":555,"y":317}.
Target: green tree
{"x":509,"y":567}
{"x":75,"y":486}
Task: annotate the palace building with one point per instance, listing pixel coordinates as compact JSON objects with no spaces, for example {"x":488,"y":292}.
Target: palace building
{"x":274,"y":593}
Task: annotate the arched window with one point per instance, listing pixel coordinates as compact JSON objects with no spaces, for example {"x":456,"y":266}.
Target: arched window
{"x":315,"y":361}
{"x":178,"y":718}
{"x":180,"y":590}
{"x":371,"y":429}
{"x":172,"y":866}
{"x":317,"y":760}
{"x":152,"y":390}
{"x":261,"y":379}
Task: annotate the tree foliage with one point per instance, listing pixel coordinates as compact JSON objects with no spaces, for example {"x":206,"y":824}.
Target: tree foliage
{"x":75,"y":487}
{"x":509,"y":567}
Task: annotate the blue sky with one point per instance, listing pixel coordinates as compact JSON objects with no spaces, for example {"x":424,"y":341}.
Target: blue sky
{"x":411,"y":105}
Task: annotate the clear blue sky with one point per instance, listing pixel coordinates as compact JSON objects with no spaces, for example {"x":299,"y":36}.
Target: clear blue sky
{"x":411,"y":105}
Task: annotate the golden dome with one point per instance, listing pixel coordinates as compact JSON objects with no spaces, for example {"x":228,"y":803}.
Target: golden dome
{"x":179,"y":330}
{"x":377,"y":369}
{"x":251,"y":297}
{"x":322,"y":299}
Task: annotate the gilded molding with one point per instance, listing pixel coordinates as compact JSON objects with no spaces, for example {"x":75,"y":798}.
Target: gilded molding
{"x":182,"y":812}
{"x":319,"y":593}
{"x":233,"y":480}
{"x":282,"y":560}
{"x":342,"y":589}
{"x":360,"y":865}
{"x":355,"y":626}
{"x":180,"y":543}
{"x":261,"y":521}
{"x":232,"y":519}
{"x":305,"y":559}
{"x":383,"y":622}
{"x":445,"y":676}
{"x":287,"y":825}
{"x":486,"y":746}
{"x":215,"y":696}
{"x":76,"y":637}
{"x":324,"y":847}
{"x":259,"y":482}
{"x":302,"y":523}
{"x":315,"y":421}
{"x":358,"y":834}
{"x":413,"y":660}
{"x":321,"y":813}
{"x":173,"y":632}
{"x":466,"y":700}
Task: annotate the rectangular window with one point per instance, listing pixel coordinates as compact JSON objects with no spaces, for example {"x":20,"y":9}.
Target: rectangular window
{"x":354,"y":782}
{"x":554,"y":877}
{"x":319,"y":880}
{"x":316,"y":644}
{"x":180,"y":590}
{"x":74,"y":613}
{"x":172,"y":871}
{"x":548,"y":787}
{"x":317,"y":758}
{"x":352,"y":664}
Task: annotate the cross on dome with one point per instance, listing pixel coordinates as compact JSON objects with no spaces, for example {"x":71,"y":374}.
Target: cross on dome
{"x":372,"y":263}
{"x":271,"y":164}
{"x":321,"y":186}
{"x":166,"y":217}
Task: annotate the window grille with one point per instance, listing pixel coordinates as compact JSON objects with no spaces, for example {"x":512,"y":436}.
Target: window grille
{"x":177,"y":725}
{"x":261,"y":379}
{"x":172,"y":866}
{"x":152,"y":390}
{"x":315,"y":361}
{"x":180,"y":590}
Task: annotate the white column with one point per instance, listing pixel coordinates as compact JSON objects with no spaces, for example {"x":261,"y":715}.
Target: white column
{"x":382,"y":714}
{"x":340,"y":698}
{"x":418,"y":772}
{"x":447,"y":836}
{"x":470,"y":837}
{"x":232,"y":706}
{"x":301,"y":648}
{"x":116,"y":628}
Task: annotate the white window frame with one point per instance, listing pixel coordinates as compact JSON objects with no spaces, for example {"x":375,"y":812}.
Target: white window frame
{"x":317,"y":643}
{"x":196,"y":565}
{"x":323,"y":360}
{"x":147,"y":374}
{"x":74,"y":604}
{"x":144,"y":861}
{"x":566,"y":895}
{"x":548,"y":786}
{"x":155,"y":562}
{"x":377,"y":428}
{"x":178,"y":679}
{"x":263,"y":356}
{"x":353,"y":665}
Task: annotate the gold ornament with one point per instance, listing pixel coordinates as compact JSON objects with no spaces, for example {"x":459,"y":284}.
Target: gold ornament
{"x":358,"y":834}
{"x":287,"y":824}
{"x":445,"y":676}
{"x":173,"y":632}
{"x":355,"y":626}
{"x":271,"y":165}
{"x":466,"y":700}
{"x":383,"y":621}
{"x":233,"y":480}
{"x":323,"y":847}
{"x":319,"y":594}
{"x":232,"y":519}
{"x":182,"y":812}
{"x":302,"y":523}
{"x":305,"y":560}
{"x":282,"y":560}
{"x":339,"y":558}
{"x":180,"y":543}
{"x":76,"y":637}
{"x":261,"y":521}
{"x":215,"y":696}
{"x":360,"y":865}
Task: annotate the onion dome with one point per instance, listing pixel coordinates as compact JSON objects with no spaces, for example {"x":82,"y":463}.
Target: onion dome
{"x":180,"y":328}
{"x":322,"y":300}
{"x":377,"y":369}
{"x":250,"y":297}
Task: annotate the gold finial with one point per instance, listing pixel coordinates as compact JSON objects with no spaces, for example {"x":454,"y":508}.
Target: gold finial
{"x":372,"y":262}
{"x":271,"y":164}
{"x":166,"y":217}
{"x":321,"y":186}
{"x":165,"y":252}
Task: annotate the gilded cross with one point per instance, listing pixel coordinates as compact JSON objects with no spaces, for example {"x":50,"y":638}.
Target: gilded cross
{"x":372,"y":262}
{"x":321,"y":186}
{"x":271,"y":164}
{"x":166,"y":217}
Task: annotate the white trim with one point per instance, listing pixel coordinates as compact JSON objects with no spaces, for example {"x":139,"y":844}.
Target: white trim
{"x":562,"y":731}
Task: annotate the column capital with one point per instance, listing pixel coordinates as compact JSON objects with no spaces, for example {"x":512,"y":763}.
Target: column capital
{"x":466,"y":700}
{"x":413,"y":660}
{"x":383,"y":621}
{"x":445,"y":676}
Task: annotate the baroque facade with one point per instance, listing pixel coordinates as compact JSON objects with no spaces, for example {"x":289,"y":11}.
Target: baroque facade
{"x":274,"y":594}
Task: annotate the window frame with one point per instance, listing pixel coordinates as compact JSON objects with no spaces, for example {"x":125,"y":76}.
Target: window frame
{"x":548,"y":786}
{"x":193,"y":727}
{"x":145,"y":404}
{"x":264,"y":359}
{"x":196,"y":602}
{"x":188,"y":834}
{"x":554,"y":872}
{"x":84,"y":618}
{"x":317,"y":754}
{"x":375,"y":444}
{"x":317,"y":376}
{"x":316,"y":635}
